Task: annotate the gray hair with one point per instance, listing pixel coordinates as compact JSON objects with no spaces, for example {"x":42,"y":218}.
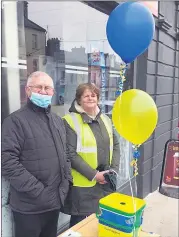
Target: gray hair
{"x":36,"y":75}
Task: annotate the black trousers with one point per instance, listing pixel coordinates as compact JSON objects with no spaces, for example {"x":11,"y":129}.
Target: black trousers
{"x":36,"y":225}
{"x":76,"y":219}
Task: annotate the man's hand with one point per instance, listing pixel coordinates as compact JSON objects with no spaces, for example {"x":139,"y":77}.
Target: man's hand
{"x":100,"y":178}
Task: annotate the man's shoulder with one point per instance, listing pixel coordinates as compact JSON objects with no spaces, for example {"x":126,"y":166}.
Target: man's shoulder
{"x":58,"y":122}
{"x":14,"y":119}
{"x":57,"y":118}
{"x":16,"y":114}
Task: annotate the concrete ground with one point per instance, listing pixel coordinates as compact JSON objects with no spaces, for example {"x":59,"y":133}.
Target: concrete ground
{"x":161,"y":215}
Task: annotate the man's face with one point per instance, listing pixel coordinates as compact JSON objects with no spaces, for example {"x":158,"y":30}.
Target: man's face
{"x":41,"y":85}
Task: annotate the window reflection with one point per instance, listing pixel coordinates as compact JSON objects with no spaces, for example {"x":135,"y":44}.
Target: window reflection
{"x":73,"y":50}
{"x":67,"y":40}
{"x":68,"y":49}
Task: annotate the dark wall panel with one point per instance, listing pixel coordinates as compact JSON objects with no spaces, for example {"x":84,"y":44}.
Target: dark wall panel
{"x":160,"y":68}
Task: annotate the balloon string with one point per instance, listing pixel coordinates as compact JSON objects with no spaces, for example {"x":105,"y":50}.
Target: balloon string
{"x":122,"y":79}
{"x":136,"y":155}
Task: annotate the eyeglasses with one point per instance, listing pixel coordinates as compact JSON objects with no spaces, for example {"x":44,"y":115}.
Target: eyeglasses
{"x":39,"y":88}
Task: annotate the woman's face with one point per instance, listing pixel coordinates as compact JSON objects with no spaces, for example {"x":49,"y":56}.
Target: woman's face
{"x":88,"y":100}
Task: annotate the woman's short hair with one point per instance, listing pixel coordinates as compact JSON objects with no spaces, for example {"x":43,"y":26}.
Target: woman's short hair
{"x":82,"y":87}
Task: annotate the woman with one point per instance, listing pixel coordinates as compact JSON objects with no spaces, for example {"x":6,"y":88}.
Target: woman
{"x":93,"y":149}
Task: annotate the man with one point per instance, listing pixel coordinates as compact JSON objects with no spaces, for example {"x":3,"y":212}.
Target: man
{"x":34,"y":161}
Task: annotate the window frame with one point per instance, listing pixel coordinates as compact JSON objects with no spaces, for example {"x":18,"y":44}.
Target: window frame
{"x":34,"y":41}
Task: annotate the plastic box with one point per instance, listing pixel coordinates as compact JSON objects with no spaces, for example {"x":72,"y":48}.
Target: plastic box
{"x":121,"y":215}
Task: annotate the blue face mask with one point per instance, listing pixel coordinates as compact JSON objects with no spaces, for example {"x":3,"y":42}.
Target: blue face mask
{"x":41,"y":100}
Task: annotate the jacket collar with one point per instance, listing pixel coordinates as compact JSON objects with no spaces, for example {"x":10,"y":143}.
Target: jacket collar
{"x":75,"y":108}
{"x":87,"y":119}
{"x":37,"y":108}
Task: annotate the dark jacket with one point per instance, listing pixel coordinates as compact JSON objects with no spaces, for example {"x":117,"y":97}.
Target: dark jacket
{"x":84,"y":201}
{"x":34,"y":159}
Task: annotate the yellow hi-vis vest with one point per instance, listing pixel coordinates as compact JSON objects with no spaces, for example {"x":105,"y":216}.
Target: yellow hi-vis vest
{"x":86,"y":145}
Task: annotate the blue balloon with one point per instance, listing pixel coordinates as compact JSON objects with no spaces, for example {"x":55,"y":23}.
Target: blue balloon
{"x":130,"y":30}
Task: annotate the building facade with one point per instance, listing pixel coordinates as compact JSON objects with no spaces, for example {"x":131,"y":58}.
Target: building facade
{"x":68,"y":49}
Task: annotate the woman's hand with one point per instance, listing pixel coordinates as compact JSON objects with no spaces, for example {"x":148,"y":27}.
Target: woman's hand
{"x":100,"y":177}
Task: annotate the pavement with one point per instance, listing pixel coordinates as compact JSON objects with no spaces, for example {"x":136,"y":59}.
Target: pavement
{"x":161,"y":215}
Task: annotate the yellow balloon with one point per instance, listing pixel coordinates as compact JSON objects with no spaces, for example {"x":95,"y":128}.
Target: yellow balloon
{"x":135,"y":116}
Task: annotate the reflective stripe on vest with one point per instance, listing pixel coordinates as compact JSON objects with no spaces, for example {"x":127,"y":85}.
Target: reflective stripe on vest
{"x":87,"y":148}
{"x":80,"y":147}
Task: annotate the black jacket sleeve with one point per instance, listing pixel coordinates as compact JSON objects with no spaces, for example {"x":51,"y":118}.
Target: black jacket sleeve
{"x":68,"y":160}
{"x":12,"y":145}
{"x":77,"y":162}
